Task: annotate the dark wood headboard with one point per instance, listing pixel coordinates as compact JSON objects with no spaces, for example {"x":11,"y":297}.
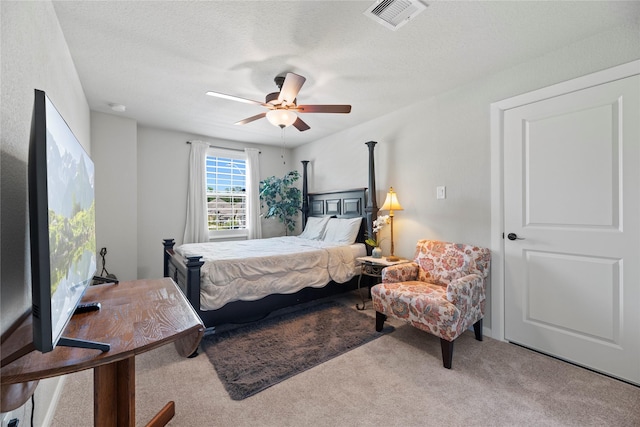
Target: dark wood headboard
{"x":341,"y":204}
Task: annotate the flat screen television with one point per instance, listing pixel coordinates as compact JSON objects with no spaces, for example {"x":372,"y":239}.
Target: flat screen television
{"x":61,"y":225}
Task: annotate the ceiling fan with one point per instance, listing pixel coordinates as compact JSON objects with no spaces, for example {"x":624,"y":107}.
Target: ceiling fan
{"x":282,"y":105}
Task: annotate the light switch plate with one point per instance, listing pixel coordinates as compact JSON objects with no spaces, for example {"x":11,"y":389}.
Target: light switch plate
{"x":441,"y":192}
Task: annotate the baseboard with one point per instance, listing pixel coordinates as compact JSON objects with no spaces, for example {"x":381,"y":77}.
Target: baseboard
{"x":486,"y":332}
{"x":50,"y":411}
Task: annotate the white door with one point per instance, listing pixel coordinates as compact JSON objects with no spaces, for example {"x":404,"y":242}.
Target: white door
{"x":572,"y":204}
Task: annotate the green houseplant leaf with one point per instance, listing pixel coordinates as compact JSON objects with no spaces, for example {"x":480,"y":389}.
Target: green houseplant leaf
{"x":282,"y":198}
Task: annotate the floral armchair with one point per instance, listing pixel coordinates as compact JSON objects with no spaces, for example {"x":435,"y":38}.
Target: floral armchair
{"x":441,"y":292}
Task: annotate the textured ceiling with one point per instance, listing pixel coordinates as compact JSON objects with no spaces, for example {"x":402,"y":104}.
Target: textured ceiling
{"x":159,"y":58}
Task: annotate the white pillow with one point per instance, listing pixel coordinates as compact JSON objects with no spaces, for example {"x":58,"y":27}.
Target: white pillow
{"x":342,"y":230}
{"x":314,"y":230}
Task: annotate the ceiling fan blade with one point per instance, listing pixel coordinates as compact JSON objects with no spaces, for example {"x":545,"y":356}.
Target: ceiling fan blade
{"x":300,"y":125}
{"x":290,"y":88}
{"x":323,"y":109}
{"x":236,"y":98}
{"x":251,"y":119}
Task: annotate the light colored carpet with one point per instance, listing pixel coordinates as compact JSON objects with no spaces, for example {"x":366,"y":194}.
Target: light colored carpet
{"x":396,"y":380}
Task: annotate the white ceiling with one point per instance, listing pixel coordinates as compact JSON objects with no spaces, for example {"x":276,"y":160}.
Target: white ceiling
{"x":159,"y":58}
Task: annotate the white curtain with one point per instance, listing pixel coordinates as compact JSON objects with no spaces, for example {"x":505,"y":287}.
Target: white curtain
{"x":196,"y":230}
{"x":254,"y":224}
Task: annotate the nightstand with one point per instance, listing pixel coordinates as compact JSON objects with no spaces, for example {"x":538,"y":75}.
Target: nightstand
{"x":372,"y":267}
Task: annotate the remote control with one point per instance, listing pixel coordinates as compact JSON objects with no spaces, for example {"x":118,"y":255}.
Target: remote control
{"x":84,"y":308}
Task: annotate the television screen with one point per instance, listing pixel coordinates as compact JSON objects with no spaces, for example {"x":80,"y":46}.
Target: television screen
{"x":62,"y":222}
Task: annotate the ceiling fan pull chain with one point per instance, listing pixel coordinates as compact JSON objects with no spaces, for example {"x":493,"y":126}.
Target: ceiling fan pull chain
{"x":283,"y":144}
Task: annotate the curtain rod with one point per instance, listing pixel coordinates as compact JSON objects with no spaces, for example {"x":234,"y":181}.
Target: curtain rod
{"x":226,"y":148}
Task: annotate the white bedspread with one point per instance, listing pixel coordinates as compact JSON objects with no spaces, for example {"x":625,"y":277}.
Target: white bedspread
{"x":252,"y":269}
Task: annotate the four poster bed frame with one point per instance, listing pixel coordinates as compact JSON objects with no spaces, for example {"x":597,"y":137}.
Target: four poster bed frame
{"x":343,"y":204}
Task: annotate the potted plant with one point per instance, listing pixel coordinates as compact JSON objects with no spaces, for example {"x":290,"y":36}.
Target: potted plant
{"x":283,"y":199}
{"x":374,"y":241}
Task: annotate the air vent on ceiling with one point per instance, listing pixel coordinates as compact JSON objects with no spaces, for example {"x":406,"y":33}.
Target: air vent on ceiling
{"x":393,"y":14}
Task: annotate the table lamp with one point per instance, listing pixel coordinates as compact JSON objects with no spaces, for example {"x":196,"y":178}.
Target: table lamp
{"x":391,"y":204}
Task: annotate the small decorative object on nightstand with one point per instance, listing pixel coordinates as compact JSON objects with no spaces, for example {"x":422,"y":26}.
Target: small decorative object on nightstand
{"x":373,"y":240}
{"x":372,"y":267}
{"x":376,"y":252}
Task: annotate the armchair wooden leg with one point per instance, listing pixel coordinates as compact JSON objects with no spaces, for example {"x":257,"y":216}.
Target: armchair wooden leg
{"x":477,"y":329}
{"x":447,"y":352}
{"x":380,"y":318}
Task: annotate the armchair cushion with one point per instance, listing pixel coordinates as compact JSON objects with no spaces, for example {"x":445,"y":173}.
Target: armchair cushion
{"x":421,"y":304}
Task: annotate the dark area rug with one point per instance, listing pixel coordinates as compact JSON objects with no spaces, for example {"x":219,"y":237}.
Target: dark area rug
{"x":255,"y":356}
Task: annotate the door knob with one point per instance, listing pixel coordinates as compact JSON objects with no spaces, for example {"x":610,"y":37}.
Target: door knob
{"x":514,"y":236}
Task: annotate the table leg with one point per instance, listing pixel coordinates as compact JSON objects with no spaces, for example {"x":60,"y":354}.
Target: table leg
{"x":364,"y":304}
{"x":114,"y":397}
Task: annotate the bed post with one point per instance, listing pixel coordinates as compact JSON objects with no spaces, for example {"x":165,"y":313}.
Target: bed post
{"x":168,"y":245}
{"x":192,"y":291}
{"x":372,"y":205}
{"x":305,"y":194}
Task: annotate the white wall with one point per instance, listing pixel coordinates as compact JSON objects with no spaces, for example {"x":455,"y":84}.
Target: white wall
{"x":163,"y":167}
{"x":445,"y":140}
{"x":114,"y":143}
{"x":34,"y":55}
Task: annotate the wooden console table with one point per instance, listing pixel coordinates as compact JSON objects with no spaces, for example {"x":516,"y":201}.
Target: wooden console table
{"x":136,"y":317}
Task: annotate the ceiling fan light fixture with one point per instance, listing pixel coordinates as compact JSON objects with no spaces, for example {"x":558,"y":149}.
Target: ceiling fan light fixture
{"x":281,"y":118}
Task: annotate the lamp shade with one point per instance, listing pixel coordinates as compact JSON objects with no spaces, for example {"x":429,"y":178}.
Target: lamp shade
{"x":281,"y":118}
{"x":391,"y":202}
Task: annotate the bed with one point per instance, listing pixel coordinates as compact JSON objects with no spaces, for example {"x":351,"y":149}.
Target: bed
{"x":241,"y":281}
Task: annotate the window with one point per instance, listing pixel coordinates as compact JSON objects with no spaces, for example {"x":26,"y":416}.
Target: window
{"x":226,"y":193}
